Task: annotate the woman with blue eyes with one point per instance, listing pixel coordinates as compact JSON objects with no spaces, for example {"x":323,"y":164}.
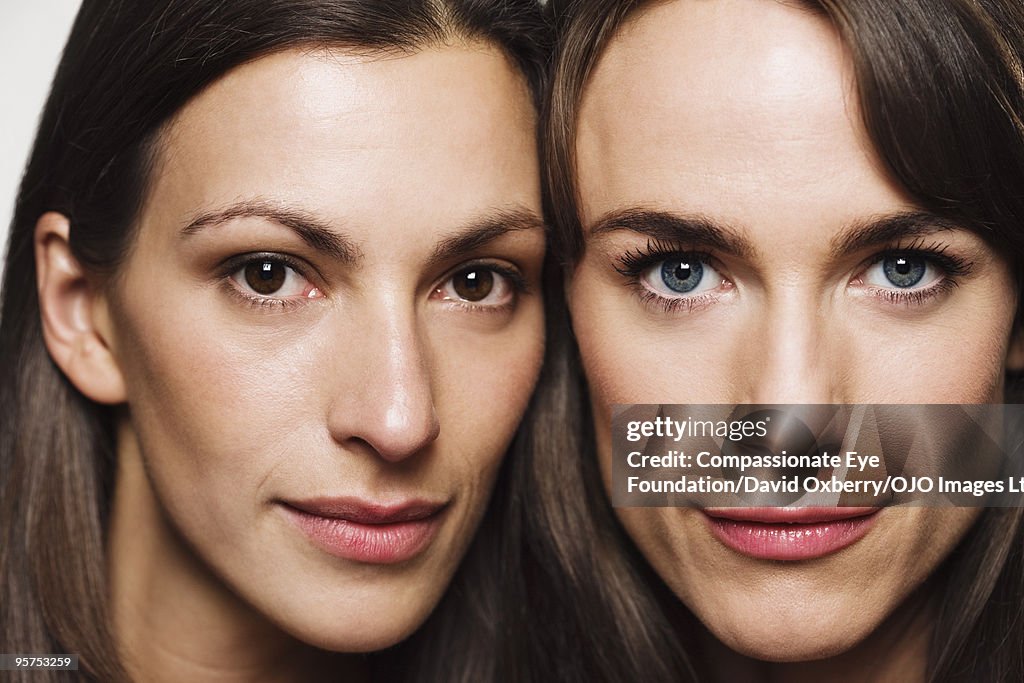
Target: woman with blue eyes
{"x":272,"y":314}
{"x":783,"y":202}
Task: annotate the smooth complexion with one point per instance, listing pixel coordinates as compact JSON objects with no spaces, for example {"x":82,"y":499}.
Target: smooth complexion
{"x":744,"y":244}
{"x":324,"y":336}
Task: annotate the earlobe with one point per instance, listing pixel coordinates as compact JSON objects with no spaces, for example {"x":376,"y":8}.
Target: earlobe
{"x":1015,"y":353}
{"x":76,"y":327}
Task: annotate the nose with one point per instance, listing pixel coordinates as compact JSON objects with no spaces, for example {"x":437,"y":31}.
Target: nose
{"x":387,"y":404}
{"x":790,"y":359}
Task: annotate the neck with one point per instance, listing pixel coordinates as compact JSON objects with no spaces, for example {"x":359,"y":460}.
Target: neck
{"x":895,"y":652}
{"x":174,"y":619}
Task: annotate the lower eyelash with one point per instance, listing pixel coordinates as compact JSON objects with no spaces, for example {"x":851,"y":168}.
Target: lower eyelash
{"x":916,"y":297}
{"x":259,"y":303}
{"x":674,"y":305}
{"x":476,"y":308}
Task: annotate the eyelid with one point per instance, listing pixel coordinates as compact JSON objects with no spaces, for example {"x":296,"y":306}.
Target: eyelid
{"x":513,"y":274}
{"x":636,"y":260}
{"x":300,"y":266}
{"x":936,"y":252}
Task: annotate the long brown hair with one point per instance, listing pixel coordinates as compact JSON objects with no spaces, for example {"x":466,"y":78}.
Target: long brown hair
{"x":941,"y":87}
{"x":127,"y":68}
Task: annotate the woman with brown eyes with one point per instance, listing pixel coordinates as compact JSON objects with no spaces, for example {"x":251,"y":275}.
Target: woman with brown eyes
{"x":782,"y":202}
{"x":272,"y":313}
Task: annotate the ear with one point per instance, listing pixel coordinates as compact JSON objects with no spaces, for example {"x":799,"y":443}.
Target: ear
{"x":76,"y":323}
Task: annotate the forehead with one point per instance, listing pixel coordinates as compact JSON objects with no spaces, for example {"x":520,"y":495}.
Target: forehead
{"x":367,"y":140}
{"x":728,"y":108}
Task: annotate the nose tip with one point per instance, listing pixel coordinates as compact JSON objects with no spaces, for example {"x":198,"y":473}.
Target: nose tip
{"x":406,"y":429}
{"x":789,"y":385}
{"x":387,"y":402}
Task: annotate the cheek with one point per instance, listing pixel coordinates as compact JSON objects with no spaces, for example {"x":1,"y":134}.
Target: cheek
{"x":956,"y":357}
{"x":484,"y":381}
{"x":215,"y":406}
{"x":628,"y":358}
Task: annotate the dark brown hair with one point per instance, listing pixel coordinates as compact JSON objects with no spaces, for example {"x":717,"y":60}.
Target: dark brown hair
{"x":942,"y":95}
{"x":127,"y":68}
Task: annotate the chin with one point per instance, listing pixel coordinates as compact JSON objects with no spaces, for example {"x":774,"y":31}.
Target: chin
{"x":361,"y":629}
{"x":815,"y":630}
{"x":792,"y":648}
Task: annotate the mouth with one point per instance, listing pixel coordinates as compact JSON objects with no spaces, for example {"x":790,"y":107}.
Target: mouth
{"x":367,"y":531}
{"x":789,"y":534}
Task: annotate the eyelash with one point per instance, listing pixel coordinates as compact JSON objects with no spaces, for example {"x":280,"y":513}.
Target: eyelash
{"x":634,"y":263}
{"x":954,"y":268}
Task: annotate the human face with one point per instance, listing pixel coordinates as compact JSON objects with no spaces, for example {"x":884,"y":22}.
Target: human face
{"x":329,"y":327}
{"x":749,"y":158}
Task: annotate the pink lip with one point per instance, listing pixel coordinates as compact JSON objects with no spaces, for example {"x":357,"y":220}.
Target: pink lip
{"x":367,"y":532}
{"x":789,"y":533}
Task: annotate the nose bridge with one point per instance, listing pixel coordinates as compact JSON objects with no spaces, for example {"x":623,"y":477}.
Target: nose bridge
{"x":390,"y":407}
{"x":790,"y":361}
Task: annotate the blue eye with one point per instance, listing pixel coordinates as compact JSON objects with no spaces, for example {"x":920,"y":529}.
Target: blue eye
{"x":902,"y":270}
{"x":682,"y":275}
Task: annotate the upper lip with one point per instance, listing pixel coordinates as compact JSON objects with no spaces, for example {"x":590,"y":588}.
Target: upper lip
{"x":367,"y":512}
{"x":807,"y":515}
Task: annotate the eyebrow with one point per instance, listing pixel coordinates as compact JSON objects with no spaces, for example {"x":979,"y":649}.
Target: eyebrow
{"x":483,"y":231}
{"x":672,"y":227}
{"x":886,"y":229}
{"x":319,"y":235}
{"x":697,"y":229}
{"x":313,"y":231}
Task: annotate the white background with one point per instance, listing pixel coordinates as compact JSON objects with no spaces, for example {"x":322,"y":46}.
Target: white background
{"x":32,"y":35}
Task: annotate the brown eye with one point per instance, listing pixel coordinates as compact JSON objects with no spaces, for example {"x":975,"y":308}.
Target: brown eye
{"x":473,"y":284}
{"x":481,"y":287}
{"x":265,"y":277}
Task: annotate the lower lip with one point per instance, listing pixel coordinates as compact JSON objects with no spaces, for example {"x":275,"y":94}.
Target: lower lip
{"x":790,"y":541}
{"x":370,"y":543}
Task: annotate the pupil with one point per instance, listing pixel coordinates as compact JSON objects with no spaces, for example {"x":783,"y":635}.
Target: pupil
{"x":474,"y":285}
{"x":265,"y":277}
{"x":902,"y":267}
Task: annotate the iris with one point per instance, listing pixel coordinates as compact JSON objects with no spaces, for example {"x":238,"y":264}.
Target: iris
{"x":473,"y":285}
{"x":904,"y":270}
{"x":265,"y":277}
{"x":682,"y":275}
